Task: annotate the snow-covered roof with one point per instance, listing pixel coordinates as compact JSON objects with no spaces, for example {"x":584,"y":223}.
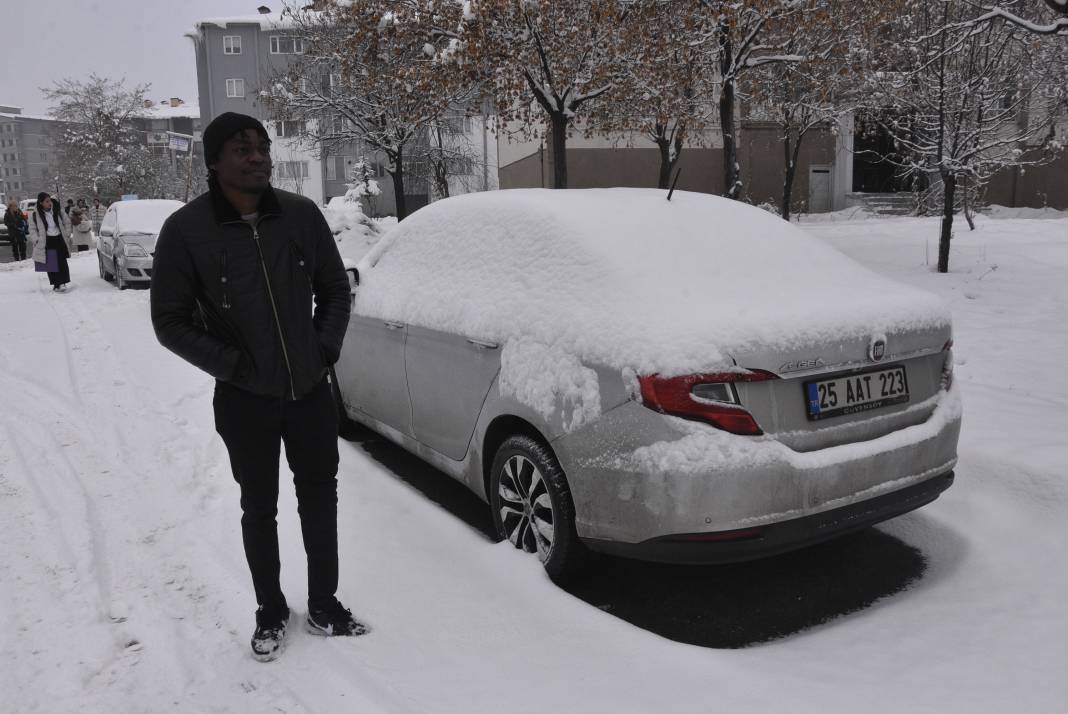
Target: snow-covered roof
{"x":166,"y":111}
{"x":269,"y":21}
{"x":39,"y":117}
{"x":623,"y":278}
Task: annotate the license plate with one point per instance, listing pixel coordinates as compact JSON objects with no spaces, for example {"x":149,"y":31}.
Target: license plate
{"x":859,"y":392}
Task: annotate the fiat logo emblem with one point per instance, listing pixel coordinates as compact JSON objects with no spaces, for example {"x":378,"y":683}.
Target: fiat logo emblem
{"x":877,"y":348}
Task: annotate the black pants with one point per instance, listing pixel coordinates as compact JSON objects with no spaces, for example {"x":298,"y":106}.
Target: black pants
{"x":252,"y":428}
{"x":18,"y":247}
{"x":61,"y":276}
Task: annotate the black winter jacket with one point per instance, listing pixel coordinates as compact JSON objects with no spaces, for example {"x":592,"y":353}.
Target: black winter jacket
{"x":236,"y":301}
{"x":14,"y":223}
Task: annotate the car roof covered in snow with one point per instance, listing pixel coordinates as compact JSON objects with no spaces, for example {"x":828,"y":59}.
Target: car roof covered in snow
{"x":624,"y":278}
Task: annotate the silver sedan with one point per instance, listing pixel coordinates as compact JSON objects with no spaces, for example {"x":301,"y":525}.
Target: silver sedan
{"x":610,"y":371}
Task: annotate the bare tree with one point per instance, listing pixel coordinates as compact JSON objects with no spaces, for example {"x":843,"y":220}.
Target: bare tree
{"x":740,"y":38}
{"x":815,"y":91}
{"x":544,"y":62}
{"x":371,"y":73}
{"x":1026,"y":17}
{"x":962,"y":101}
{"x":662,"y":91}
{"x":102,"y":149}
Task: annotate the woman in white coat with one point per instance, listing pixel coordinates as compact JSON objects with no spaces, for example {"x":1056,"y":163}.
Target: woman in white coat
{"x":50,"y":229}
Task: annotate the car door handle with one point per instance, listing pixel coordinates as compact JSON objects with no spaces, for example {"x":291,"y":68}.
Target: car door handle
{"x":393,"y":325}
{"x":483,"y":343}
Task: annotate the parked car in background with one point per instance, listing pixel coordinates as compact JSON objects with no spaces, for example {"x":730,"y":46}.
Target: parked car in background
{"x":27,"y":206}
{"x":691,"y":381}
{"x":127,"y":239}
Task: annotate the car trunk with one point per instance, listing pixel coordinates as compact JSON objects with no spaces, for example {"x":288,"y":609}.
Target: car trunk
{"x":857,"y":395}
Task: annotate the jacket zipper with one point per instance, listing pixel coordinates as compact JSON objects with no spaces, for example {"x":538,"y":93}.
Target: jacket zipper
{"x":274,"y":309}
{"x":224,"y":280}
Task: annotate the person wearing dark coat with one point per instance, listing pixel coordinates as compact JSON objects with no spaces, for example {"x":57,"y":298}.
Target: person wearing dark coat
{"x":16,"y":230}
{"x":236,"y":275}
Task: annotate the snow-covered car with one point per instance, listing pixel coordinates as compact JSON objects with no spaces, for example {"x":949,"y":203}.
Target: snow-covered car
{"x":127,"y":239}
{"x":691,"y":381}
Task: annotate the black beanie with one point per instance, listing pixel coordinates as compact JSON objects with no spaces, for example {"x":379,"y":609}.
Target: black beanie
{"x":222,"y":128}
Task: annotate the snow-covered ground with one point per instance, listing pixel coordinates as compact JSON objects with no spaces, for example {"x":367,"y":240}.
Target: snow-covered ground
{"x":123,"y":586}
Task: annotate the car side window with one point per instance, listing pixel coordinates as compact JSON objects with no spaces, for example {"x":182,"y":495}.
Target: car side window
{"x":107,"y":226}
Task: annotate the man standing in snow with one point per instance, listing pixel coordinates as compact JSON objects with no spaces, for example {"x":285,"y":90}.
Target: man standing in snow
{"x":96,"y":214}
{"x":236,"y":274}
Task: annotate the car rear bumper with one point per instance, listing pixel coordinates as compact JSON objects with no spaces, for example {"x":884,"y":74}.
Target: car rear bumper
{"x":775,"y":538}
{"x":639,"y":480}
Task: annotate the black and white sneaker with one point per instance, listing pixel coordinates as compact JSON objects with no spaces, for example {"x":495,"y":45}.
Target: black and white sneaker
{"x":333,"y":620}
{"x":270,"y":634}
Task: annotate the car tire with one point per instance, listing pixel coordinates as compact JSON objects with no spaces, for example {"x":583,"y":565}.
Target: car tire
{"x":346,"y":427}
{"x":119,"y":281}
{"x":104,"y":274}
{"x":532,"y":507}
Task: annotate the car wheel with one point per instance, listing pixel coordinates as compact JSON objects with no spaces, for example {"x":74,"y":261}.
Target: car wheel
{"x":532,"y":506}
{"x":118,"y":277}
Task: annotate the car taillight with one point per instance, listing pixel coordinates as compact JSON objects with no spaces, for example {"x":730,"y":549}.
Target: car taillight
{"x":947,"y":365}
{"x":710,"y":398}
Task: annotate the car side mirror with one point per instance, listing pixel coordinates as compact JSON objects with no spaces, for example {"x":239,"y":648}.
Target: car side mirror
{"x":354,"y":282}
{"x":105,"y":232}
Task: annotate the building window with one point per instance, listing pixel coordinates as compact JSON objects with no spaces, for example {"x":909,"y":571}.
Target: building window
{"x":289,"y":129}
{"x":291,"y":169}
{"x":235,"y":87}
{"x":337,"y":167}
{"x":232,"y":44}
{"x":282,"y":45}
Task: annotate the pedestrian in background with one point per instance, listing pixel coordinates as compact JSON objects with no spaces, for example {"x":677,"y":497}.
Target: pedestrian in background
{"x":83,"y":229}
{"x":16,"y":229}
{"x":96,"y":214}
{"x":51,"y":239}
{"x":70,"y":205}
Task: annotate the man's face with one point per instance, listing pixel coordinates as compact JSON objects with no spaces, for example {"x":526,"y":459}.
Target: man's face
{"x":244,"y":163}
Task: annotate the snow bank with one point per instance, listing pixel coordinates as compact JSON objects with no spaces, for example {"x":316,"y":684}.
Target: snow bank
{"x":1005,"y":213}
{"x":623,"y":278}
{"x":354,"y":231}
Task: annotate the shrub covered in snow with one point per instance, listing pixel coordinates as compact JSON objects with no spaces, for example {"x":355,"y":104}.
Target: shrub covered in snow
{"x":354,"y":230}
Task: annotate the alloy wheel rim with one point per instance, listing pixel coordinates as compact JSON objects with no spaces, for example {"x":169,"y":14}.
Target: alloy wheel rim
{"x":526,"y":510}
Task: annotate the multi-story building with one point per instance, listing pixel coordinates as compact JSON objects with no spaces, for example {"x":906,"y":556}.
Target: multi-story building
{"x":28,"y":160}
{"x":174,"y":116}
{"x":237,"y":56}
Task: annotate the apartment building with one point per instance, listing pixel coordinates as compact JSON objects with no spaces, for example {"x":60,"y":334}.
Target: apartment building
{"x":237,"y":56}
{"x":28,"y":160}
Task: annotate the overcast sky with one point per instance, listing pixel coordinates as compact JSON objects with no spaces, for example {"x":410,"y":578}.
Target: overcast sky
{"x":142,"y":41}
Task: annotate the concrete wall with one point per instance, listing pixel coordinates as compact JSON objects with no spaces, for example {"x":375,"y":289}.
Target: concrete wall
{"x":1032,"y":187}
{"x":760,"y":154}
{"x":764,"y":163}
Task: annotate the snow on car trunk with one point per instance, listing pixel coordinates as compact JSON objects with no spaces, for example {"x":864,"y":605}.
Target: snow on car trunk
{"x":146,"y":216}
{"x":627,"y":279}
